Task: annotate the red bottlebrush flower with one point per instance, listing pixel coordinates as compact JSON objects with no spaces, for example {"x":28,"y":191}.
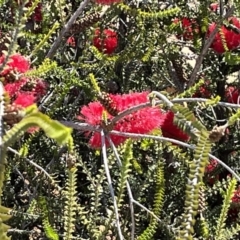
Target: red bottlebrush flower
{"x":40,"y":89}
{"x":202,"y":92}
{"x":214,"y":7}
{"x":16,"y":63}
{"x":107,"y":2}
{"x":170,"y":130}
{"x":236,"y":197}
{"x":13,"y":88}
{"x":211,"y":178}
{"x":33,"y":130}
{"x":234,"y":209}
{"x":25,"y":99}
{"x":232,"y":94}
{"x":71,"y":42}
{"x":37,"y":15}
{"x":211,"y":166}
{"x":235,"y":206}
{"x":36,"y":86}
{"x":142,"y":121}
{"x":189,"y":27}
{"x":230,"y":36}
{"x":105,"y":42}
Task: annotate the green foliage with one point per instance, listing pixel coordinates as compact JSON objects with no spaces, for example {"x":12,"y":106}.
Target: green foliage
{"x":183,"y":117}
{"x":49,"y":231}
{"x":231,"y":58}
{"x":148,"y":15}
{"x":204,"y":228}
{"x":234,"y":118}
{"x":53,"y":129}
{"x":231,"y":233}
{"x":70,"y":203}
{"x":4,"y":216}
{"x":150,"y":56}
{"x":223,"y":40}
{"x":125,"y":170}
{"x":30,"y":10}
{"x":45,"y":39}
{"x":158,"y":204}
{"x":190,"y":91}
{"x":46,"y":66}
{"x":195,"y":176}
{"x":220,"y":227}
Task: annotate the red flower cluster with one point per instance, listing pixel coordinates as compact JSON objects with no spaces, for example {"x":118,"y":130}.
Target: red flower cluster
{"x":170,"y":130}
{"x":16,"y":64}
{"x":107,"y":2}
{"x":235,"y":206}
{"x":211,"y":178}
{"x":230,"y":36}
{"x":214,"y":7}
{"x":71,"y":42}
{"x":236,"y":196}
{"x":203,"y":91}
{"x":143,"y":121}
{"x":233,"y":213}
{"x":232,"y":95}
{"x":37,"y":15}
{"x":188,"y":27}
{"x":21,"y":90}
{"x":211,"y":166}
{"x":105,"y":41}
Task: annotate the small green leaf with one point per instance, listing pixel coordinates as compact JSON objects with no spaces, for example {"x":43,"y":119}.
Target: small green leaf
{"x":53,"y":129}
{"x":5,"y":217}
{"x":213,"y":101}
{"x":231,"y":58}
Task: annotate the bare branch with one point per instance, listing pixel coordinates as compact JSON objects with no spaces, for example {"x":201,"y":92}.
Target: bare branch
{"x":66,"y":28}
{"x":105,"y":161}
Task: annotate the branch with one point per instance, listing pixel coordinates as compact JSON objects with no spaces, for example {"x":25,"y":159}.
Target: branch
{"x":135,"y":135}
{"x":130,"y":195}
{"x":66,"y":28}
{"x":85,"y":127}
{"x":175,"y":100}
{"x":35,"y":165}
{"x":105,"y":161}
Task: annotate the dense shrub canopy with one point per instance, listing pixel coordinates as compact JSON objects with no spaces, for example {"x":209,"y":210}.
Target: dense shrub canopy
{"x":119,"y":119}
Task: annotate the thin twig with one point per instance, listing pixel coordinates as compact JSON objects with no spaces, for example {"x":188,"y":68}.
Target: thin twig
{"x":87,"y":127}
{"x":105,"y":161}
{"x":164,"y":139}
{"x":35,"y":165}
{"x":66,"y":28}
{"x":175,"y":100}
{"x":222,"y":104}
{"x":162,"y":97}
{"x":131,"y":199}
{"x":128,"y":187}
{"x":147,"y":210}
